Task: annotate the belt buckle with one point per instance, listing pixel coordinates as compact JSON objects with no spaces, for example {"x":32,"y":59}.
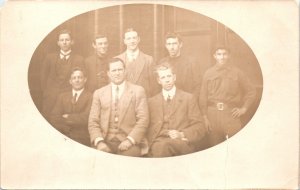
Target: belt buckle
{"x":220,"y":106}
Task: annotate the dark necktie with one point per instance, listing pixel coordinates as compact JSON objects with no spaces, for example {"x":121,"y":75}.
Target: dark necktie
{"x":116,"y":105}
{"x":169,"y":98}
{"x":74,"y":98}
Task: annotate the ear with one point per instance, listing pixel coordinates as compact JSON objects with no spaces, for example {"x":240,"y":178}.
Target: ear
{"x":158,"y":81}
{"x":124,"y":41}
{"x":215,"y":56}
{"x":72,"y":42}
{"x":94,"y":45}
{"x":174,"y":77}
{"x":180,"y":45}
{"x":57,"y":42}
{"x":70,"y":81}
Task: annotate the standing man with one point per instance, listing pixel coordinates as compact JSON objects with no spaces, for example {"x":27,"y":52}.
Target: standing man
{"x":186,"y":70}
{"x":71,"y":111}
{"x":56,"y":71}
{"x":96,"y":64}
{"x":226,"y":94}
{"x":119,"y":115}
{"x":139,"y":66}
{"x":176,"y":126}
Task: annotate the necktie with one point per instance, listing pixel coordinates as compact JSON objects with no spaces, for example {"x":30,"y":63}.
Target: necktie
{"x":169,"y":98}
{"x":116,"y":104}
{"x":74,"y":98}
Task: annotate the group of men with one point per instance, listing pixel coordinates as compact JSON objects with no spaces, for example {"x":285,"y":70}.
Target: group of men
{"x":128,"y":105}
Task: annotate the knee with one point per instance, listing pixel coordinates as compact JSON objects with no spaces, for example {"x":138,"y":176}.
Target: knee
{"x":161,"y":149}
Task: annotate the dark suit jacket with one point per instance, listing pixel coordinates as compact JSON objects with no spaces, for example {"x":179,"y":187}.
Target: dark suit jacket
{"x":143,"y":74}
{"x":133,"y":116}
{"x":96,"y":70}
{"x":185,"y":117}
{"x":75,"y":126}
{"x":51,"y":84}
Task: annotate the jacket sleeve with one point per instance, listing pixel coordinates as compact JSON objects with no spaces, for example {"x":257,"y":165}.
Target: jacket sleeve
{"x":45,"y":69}
{"x":196,"y":130}
{"x":56,"y":118}
{"x":94,"y":126}
{"x":81,"y":118}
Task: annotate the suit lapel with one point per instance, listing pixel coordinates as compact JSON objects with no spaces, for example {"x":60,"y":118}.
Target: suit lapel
{"x":159,"y":102}
{"x":125,"y":101}
{"x":106,"y":100}
{"x":176,"y":101}
{"x":139,"y":66}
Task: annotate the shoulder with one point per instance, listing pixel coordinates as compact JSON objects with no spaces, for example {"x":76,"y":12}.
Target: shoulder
{"x":102,"y":90}
{"x":211,"y":71}
{"x":183,"y":94}
{"x":51,"y":56}
{"x":90,"y":58}
{"x":163,"y":60}
{"x":77,"y":57}
{"x":155,"y":98}
{"x":138,"y":90}
{"x":121,"y":56}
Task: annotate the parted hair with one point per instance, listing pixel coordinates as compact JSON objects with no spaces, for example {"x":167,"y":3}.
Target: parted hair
{"x":163,"y":66}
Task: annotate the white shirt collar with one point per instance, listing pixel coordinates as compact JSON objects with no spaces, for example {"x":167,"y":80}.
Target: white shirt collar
{"x":65,"y":54}
{"x":170,"y":93}
{"x":121,"y":89}
{"x":132,"y":55}
{"x":78,"y":92}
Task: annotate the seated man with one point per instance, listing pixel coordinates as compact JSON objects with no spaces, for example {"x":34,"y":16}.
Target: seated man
{"x":71,"y":111}
{"x":175,"y":120}
{"x":119,"y":115}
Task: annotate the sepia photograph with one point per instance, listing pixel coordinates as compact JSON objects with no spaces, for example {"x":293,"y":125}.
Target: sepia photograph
{"x":150,"y":94}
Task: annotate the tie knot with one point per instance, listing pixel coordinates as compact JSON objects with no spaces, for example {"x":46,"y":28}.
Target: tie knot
{"x":169,"y":98}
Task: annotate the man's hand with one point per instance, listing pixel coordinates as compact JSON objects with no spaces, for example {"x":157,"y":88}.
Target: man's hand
{"x":103,"y":147}
{"x":125,"y":145}
{"x":207,"y":124}
{"x":65,"y":116}
{"x":174,"y":134}
{"x":237,"y":112}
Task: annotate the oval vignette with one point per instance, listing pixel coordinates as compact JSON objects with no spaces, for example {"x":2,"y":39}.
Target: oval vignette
{"x":199,"y":35}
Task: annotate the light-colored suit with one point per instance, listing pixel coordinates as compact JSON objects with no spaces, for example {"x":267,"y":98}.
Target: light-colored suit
{"x":133,"y":112}
{"x":142,"y":72}
{"x":184,"y":116}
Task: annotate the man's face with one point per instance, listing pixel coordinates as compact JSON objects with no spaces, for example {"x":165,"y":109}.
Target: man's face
{"x":166,"y":79}
{"x":131,"y":40}
{"x":65,"y":42}
{"x":116,"y":72}
{"x":101,"y":46}
{"x":77,"y":80}
{"x":221,"y":56}
{"x":173,"y":46}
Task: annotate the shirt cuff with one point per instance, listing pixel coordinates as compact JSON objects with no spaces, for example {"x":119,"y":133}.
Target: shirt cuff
{"x":97,"y":140}
{"x":131,"y":139}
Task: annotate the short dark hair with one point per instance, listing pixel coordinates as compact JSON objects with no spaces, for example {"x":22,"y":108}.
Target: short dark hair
{"x":130,"y":30}
{"x":163,"y":66}
{"x":65,"y":31}
{"x":173,"y":35}
{"x":113,"y":60}
{"x":97,"y":36}
{"x":78,"y":69}
{"x":220,"y":46}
